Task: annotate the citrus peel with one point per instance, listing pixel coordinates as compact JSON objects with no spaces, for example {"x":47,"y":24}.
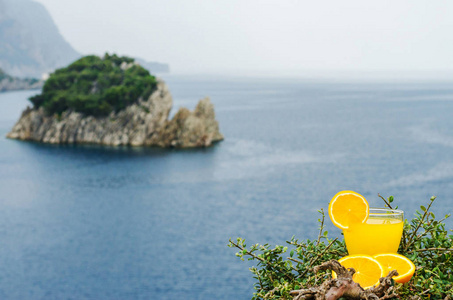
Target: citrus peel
{"x":347,"y":207}
{"x":392,"y":261}
{"x":367,"y":269}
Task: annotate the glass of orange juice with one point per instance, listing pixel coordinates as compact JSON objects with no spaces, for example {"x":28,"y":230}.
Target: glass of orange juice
{"x":381,"y":233}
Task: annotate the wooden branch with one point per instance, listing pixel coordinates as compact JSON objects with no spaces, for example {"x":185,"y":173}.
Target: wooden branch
{"x":260,"y":259}
{"x":411,"y":238}
{"x":321,"y":227}
{"x":344,"y":286}
{"x":315,"y":259}
{"x":385,"y":200}
{"x":430,"y":249}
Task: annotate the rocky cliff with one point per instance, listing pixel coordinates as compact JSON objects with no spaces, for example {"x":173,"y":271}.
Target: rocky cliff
{"x":144,"y":123}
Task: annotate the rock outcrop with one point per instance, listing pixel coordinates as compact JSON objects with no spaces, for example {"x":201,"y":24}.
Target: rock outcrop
{"x":192,"y":129}
{"x":144,"y":123}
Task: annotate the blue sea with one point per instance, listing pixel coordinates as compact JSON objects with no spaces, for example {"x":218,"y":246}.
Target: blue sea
{"x":91,"y":222}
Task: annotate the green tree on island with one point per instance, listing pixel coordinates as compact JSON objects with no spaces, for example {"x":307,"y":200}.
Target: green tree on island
{"x":95,"y":86}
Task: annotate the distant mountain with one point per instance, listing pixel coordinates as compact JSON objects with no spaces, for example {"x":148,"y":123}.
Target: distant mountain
{"x":30,"y":43}
{"x":153,"y":67}
{"x":9,"y":83}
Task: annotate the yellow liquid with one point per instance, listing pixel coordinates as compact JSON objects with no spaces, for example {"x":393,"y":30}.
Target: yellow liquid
{"x":379,"y":234}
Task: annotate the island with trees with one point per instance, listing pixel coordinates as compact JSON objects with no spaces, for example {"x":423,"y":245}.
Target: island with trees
{"x":112,"y":100}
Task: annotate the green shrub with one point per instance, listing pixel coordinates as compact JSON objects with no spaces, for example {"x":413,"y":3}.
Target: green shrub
{"x":95,"y":86}
{"x":425,"y":241}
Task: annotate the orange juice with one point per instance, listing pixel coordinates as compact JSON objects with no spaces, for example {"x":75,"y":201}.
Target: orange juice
{"x":381,"y":233}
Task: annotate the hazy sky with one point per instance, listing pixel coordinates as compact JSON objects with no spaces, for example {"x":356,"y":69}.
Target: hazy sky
{"x":241,"y":35}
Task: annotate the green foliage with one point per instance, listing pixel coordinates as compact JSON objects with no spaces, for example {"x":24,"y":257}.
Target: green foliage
{"x":281,"y":269}
{"x":429,"y":245}
{"x":95,"y":86}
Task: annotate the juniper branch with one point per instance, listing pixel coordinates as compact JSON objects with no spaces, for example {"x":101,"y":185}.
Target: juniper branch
{"x":411,"y":238}
{"x":316,"y":258}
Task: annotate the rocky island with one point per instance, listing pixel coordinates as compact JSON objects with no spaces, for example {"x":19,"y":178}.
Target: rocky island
{"x":113,"y":101}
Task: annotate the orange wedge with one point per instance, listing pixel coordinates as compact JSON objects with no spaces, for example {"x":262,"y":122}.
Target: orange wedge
{"x":367,"y":269}
{"x":393,"y":261}
{"x":347,"y":207}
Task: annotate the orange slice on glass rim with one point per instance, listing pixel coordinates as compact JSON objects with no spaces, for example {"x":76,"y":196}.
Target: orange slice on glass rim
{"x":367,"y":269}
{"x":393,"y":261}
{"x":347,"y":207}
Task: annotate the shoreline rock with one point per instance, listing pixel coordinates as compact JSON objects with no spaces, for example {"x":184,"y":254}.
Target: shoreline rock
{"x":144,"y":123}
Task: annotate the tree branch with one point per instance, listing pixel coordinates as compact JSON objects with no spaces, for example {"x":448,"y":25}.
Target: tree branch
{"x":344,"y":286}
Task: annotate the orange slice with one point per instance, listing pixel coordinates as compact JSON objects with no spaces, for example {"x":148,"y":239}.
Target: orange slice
{"x":367,"y":269}
{"x":347,"y":207}
{"x":393,"y":261}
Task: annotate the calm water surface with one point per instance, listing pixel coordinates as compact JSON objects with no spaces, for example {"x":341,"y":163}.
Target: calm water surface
{"x":92,"y":222}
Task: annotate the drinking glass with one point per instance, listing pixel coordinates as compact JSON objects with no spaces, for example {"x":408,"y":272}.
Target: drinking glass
{"x":381,"y":233}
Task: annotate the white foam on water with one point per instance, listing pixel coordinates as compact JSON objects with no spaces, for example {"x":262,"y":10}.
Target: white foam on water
{"x":425,"y":135}
{"x":237,"y":108}
{"x":443,"y":171}
{"x":429,"y":97}
{"x":251,"y":159}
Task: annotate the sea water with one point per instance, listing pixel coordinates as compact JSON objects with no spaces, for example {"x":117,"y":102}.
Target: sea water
{"x":90,"y":222}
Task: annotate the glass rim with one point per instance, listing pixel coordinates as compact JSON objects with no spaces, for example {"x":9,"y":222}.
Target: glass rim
{"x":379,"y":210}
